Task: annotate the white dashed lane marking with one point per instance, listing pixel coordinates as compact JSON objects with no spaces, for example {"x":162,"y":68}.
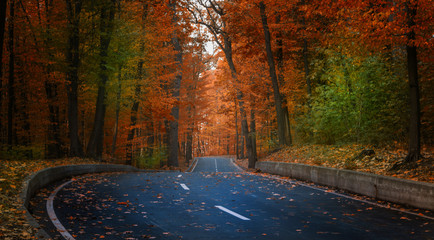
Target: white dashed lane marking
{"x":185,"y":187}
{"x":232,"y":213}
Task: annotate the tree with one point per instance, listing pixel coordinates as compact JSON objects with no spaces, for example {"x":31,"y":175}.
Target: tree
{"x":11,"y":82}
{"x":272,"y":71}
{"x":2,"y":34}
{"x":73,"y":60}
{"x":413,"y":81}
{"x":173,"y":123}
{"x":96,"y":142}
{"x":54,"y":145}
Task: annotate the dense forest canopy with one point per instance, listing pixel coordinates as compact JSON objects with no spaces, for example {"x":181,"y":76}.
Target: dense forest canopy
{"x":133,"y":81}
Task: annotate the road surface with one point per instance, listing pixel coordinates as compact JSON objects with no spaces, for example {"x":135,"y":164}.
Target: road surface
{"x":216,"y":201}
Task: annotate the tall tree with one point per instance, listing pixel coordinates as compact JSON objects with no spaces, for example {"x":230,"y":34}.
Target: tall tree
{"x":173,"y":124}
{"x":2,"y":34}
{"x":54,"y":145}
{"x":96,"y":142}
{"x":272,"y":71}
{"x":11,"y":82}
{"x":74,"y":8}
{"x":413,"y":81}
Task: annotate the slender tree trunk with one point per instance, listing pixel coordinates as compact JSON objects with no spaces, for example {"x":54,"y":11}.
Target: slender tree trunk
{"x":150,"y":139}
{"x":173,"y":124}
{"x":244,"y":124}
{"x":237,"y":150}
{"x":134,"y":110}
{"x":11,"y":82}
{"x":287,"y":125}
{"x":96,"y":141}
{"x":279,"y":55}
{"x":273,"y":76}
{"x":252,"y":136}
{"x":2,"y":34}
{"x":73,"y":60}
{"x":413,"y":80}
{"x":54,"y":145}
{"x":306,"y":68}
{"x":190,"y":131}
{"x":118,"y":109}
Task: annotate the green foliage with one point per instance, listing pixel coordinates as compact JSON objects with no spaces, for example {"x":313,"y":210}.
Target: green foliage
{"x":152,"y":158}
{"x":22,"y":152}
{"x":357,"y":100}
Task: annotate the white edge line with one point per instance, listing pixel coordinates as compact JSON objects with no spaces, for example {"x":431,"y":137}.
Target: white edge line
{"x":185,"y":187}
{"x":232,"y":213}
{"x":195,"y":164}
{"x":236,"y":165}
{"x":50,"y":210}
{"x":349,"y":197}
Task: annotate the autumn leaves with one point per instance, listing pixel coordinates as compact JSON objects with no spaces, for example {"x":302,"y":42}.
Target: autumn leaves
{"x":132,"y":82}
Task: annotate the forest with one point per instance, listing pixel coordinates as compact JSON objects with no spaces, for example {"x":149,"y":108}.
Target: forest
{"x":156,"y":83}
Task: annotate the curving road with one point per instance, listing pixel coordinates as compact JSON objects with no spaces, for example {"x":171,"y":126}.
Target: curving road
{"x":218,"y":201}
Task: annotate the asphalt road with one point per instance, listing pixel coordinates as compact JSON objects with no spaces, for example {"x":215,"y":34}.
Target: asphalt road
{"x":210,"y":204}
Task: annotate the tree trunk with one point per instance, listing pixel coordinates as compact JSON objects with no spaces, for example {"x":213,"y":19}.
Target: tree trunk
{"x":2,"y":34}
{"x":242,"y":145}
{"x":118,"y":108}
{"x":237,"y":150}
{"x":244,"y":125}
{"x":54,"y":145}
{"x":306,"y":68}
{"x":96,"y":141}
{"x":287,"y":124}
{"x":73,"y":60}
{"x":412,"y":67}
{"x":11,"y":82}
{"x":189,"y":147}
{"x":273,"y":76}
{"x":173,"y":124}
{"x":252,"y":138}
{"x":134,"y":110}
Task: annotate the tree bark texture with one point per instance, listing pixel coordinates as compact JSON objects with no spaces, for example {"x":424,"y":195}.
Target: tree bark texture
{"x":252,"y":139}
{"x":54,"y":145}
{"x":413,"y":80}
{"x":11,"y":80}
{"x":2,"y":34}
{"x":73,"y":61}
{"x":173,"y":124}
{"x":96,"y":141}
{"x":237,"y":145}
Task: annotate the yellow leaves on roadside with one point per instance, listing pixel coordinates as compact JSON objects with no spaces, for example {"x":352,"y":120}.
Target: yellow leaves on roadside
{"x":12,"y":174}
{"x":345,"y":157}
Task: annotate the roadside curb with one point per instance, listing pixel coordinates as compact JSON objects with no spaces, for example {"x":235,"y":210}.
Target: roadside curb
{"x":402,"y":191}
{"x":46,"y":176}
{"x":190,"y":168}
